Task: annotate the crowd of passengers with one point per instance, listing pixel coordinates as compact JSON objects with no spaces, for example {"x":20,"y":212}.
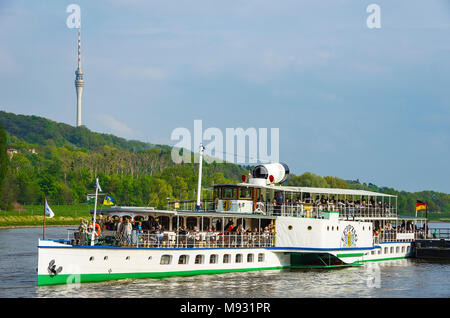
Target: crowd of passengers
{"x":327,"y":204}
{"x":128,"y":231}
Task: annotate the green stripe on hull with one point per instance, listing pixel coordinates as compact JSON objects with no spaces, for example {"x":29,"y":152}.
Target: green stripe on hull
{"x":86,"y":278}
{"x":350,"y":255}
{"x":382,"y":259}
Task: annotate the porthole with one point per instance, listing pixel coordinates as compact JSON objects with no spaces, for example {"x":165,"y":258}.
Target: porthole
{"x":105,"y":258}
{"x":127,"y":258}
{"x":260,"y":257}
{"x":309,"y":227}
{"x":149,"y":258}
{"x":166,"y":259}
{"x":91,"y":258}
{"x":290,"y":227}
{"x":238,"y":258}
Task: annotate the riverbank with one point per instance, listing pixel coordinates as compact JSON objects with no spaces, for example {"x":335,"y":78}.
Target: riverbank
{"x":33,"y":216}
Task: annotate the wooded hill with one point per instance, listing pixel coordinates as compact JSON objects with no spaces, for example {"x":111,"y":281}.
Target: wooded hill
{"x":61,"y":162}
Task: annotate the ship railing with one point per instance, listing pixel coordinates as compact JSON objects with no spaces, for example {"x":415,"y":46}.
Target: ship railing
{"x":302,"y":210}
{"x":174,"y":240}
{"x":191,"y":205}
{"x":394,"y":236}
{"x":440,"y":233}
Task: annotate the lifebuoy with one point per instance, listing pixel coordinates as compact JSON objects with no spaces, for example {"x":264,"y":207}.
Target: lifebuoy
{"x":259,"y":207}
{"x":98,"y":230}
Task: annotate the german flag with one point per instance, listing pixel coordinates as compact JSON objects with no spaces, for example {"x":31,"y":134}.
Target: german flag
{"x":421,"y":205}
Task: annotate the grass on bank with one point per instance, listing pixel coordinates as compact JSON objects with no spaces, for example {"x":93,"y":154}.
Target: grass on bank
{"x":33,"y":215}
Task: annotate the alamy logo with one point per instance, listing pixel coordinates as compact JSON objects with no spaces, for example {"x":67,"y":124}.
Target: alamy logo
{"x":374,"y":19}
{"x":247,"y":146}
{"x":73,"y":20}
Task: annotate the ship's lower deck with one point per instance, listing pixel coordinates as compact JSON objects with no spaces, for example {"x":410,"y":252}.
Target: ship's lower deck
{"x":65,"y":264}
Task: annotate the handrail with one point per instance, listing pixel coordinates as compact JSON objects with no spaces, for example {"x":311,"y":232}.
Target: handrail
{"x":175,"y":240}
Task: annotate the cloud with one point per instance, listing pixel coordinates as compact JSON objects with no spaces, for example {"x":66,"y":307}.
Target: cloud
{"x":119,"y":128}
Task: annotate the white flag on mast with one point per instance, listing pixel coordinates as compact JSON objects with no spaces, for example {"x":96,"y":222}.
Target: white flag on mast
{"x":48,"y":210}
{"x":98,"y":186}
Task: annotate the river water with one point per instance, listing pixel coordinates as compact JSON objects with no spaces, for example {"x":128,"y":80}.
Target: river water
{"x":394,"y":278}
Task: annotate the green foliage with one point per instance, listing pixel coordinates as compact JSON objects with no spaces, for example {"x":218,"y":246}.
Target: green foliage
{"x":69,"y":159}
{"x":3,"y":156}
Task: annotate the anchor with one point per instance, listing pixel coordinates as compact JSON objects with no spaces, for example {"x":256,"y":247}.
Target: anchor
{"x":52,"y":270}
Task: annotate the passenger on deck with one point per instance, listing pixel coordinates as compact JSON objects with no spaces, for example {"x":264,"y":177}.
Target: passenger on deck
{"x":146,"y":225}
{"x":83,"y":232}
{"x":159,"y":233}
{"x":127,"y":228}
{"x":119,"y":230}
{"x":110,"y":224}
{"x":100,"y":221}
{"x":229,"y":226}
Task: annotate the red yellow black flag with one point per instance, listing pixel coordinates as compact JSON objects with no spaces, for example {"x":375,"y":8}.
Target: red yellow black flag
{"x":421,"y":205}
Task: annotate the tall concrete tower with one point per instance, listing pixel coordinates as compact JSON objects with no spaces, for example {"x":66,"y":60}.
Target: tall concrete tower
{"x":79,"y":82}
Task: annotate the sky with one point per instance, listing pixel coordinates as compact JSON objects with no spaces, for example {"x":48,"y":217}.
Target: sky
{"x":349,"y":101}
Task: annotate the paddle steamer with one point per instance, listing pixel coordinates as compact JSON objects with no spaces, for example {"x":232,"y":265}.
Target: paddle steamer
{"x":257,"y":224}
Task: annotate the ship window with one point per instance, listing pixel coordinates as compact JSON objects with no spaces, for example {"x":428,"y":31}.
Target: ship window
{"x":328,"y":228}
{"x":407,"y":249}
{"x":226,"y":258}
{"x":91,"y":258}
{"x":403,"y":249}
{"x":245,"y":193}
{"x":191,"y":222}
{"x":332,"y":228}
{"x":229,"y":193}
{"x":260,"y":257}
{"x":238,"y":258}
{"x":199,"y":259}
{"x":183,"y":259}
{"x":213,"y":259}
{"x":249,"y":258}
{"x":127,"y":258}
{"x":363,"y":228}
{"x":385,"y":250}
{"x":337,"y":228}
{"x":105,"y":258}
{"x":392,"y":249}
{"x":397,"y":249}
{"x":166,"y":259}
{"x":309,"y":228}
{"x":149,"y":258}
{"x":290,"y":227}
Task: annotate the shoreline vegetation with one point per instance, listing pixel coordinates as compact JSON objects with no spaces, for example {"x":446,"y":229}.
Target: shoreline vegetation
{"x":42,"y":158}
{"x":70,"y":215}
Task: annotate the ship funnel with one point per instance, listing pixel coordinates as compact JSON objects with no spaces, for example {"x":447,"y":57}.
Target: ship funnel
{"x":269,"y":174}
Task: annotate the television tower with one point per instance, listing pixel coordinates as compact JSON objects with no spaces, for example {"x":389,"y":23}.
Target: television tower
{"x":79,"y":82}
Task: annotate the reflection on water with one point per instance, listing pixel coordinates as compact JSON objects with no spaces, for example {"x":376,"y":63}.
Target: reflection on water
{"x":395,"y":278}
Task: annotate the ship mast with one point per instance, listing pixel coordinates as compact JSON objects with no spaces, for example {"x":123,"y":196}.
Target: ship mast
{"x":199,"y":189}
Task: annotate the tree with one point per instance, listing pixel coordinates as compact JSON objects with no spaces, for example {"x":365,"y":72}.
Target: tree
{"x":4,"y":160}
